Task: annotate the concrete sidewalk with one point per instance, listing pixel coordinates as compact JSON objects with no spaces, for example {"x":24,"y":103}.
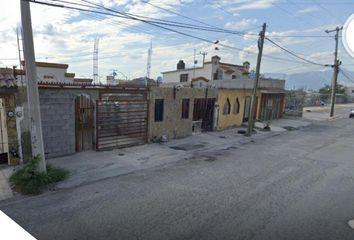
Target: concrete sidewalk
{"x":5,"y":190}
{"x":91,"y":166}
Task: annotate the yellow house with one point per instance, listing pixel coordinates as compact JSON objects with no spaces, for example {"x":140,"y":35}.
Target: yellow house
{"x":233,"y":106}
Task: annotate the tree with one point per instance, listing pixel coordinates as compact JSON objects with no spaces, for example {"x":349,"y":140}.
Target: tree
{"x":340,"y":89}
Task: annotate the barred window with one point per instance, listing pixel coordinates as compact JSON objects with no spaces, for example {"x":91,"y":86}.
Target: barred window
{"x":159,"y":110}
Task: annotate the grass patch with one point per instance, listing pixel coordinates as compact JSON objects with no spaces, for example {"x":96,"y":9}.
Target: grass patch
{"x":28,"y":180}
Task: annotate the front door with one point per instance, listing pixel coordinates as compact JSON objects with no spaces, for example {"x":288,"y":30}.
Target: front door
{"x":84,"y":123}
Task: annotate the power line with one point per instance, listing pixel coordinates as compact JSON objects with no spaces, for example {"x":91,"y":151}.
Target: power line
{"x":295,"y":55}
{"x":217,"y":5}
{"x":345,"y":75}
{"x":156,"y":25}
{"x":293,"y":15}
{"x":166,"y":22}
{"x":327,"y":10}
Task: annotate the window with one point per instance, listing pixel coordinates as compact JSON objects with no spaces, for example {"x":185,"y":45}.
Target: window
{"x":158,"y":110}
{"x":215,"y":76}
{"x":227,"y":107}
{"x":234,"y":76}
{"x":185,"y":108}
{"x":352,"y":91}
{"x":183,"y":77}
{"x":218,"y":75}
{"x":237,"y":106}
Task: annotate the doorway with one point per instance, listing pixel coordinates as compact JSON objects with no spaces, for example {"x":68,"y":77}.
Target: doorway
{"x":84,"y":123}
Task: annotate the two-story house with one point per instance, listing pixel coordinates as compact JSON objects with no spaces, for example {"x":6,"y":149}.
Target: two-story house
{"x":209,"y":74}
{"x":234,"y":87}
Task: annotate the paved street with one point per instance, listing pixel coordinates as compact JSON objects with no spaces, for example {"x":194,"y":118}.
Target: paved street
{"x":295,"y":185}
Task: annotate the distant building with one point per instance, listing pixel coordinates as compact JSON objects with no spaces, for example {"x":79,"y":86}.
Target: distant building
{"x":211,"y":73}
{"x":50,"y":72}
{"x":83,"y":80}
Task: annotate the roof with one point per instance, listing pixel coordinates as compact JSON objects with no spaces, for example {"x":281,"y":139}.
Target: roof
{"x":200,"y":78}
{"x":49,"y":65}
{"x":181,"y":70}
{"x":83,"y":79}
{"x":69,"y":75}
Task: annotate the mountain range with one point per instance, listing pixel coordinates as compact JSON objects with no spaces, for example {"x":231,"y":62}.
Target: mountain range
{"x":313,"y":80}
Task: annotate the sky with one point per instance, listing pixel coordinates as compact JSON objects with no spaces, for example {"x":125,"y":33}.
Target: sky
{"x":67,"y":36}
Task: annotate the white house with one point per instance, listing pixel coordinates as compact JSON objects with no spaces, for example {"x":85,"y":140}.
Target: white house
{"x":211,"y":73}
{"x":49,"y":72}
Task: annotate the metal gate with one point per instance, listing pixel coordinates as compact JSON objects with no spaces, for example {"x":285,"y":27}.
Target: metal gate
{"x":204,"y":110}
{"x":84,"y":124}
{"x":122,"y":119}
{"x":270,"y":106}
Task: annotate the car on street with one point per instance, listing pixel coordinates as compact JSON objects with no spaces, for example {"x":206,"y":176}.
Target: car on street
{"x":351,"y":113}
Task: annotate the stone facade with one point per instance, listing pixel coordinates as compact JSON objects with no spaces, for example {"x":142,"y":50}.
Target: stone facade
{"x":173,"y":125}
{"x":10,"y":105}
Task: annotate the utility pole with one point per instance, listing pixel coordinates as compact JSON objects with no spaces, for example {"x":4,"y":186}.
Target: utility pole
{"x":255,"y":87}
{"x":204,"y":54}
{"x":335,"y":70}
{"x":34,"y":114}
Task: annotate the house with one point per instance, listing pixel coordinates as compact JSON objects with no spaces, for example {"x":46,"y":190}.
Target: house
{"x":176,"y":112}
{"x":49,"y":72}
{"x":9,"y":116}
{"x":210,"y":74}
{"x":234,"y":90}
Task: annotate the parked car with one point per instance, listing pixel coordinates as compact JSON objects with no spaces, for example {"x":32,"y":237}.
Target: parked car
{"x":351,"y":113}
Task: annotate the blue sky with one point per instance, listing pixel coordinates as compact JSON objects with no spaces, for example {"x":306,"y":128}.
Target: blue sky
{"x":67,"y":36}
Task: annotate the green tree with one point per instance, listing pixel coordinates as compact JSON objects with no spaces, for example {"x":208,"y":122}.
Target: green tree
{"x":340,"y":89}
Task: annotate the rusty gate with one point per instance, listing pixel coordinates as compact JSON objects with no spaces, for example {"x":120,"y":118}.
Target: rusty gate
{"x":122,"y":119}
{"x":84,"y":123}
{"x":204,"y":110}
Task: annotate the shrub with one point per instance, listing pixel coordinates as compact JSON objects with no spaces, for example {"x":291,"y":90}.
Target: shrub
{"x":29,"y":180}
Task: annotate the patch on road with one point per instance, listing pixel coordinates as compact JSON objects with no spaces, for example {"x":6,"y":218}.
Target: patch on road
{"x":209,"y":158}
{"x":290,"y":128}
{"x":187,"y":147}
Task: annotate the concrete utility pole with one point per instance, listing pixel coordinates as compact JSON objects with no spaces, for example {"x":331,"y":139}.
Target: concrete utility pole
{"x":335,"y":70}
{"x":255,"y":87}
{"x":32,"y":87}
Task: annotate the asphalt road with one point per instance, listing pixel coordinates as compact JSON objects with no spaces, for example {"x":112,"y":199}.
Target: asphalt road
{"x":297,"y":185}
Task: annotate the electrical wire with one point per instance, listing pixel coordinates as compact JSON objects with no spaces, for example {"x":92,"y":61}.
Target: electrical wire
{"x":345,"y":75}
{"x":295,"y":55}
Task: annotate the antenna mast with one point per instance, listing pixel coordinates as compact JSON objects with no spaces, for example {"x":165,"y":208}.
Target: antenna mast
{"x":95,"y":61}
{"x":148,"y":68}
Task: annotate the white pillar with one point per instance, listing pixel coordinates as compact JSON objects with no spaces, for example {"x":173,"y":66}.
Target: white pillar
{"x":32,"y":87}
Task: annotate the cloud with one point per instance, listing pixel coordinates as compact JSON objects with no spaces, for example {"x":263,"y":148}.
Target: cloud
{"x":252,"y":5}
{"x":309,"y":9}
{"x":240,"y":25}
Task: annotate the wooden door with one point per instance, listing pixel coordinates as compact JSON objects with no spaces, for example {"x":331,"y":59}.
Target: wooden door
{"x":84,"y":123}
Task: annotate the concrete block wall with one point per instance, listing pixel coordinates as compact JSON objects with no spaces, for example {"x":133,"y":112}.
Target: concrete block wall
{"x":58,"y":119}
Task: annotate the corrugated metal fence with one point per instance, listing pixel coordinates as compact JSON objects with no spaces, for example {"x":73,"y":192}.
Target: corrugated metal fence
{"x":121,"y":119}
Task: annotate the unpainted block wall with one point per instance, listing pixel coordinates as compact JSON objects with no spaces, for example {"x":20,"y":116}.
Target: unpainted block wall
{"x":58,"y":119}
